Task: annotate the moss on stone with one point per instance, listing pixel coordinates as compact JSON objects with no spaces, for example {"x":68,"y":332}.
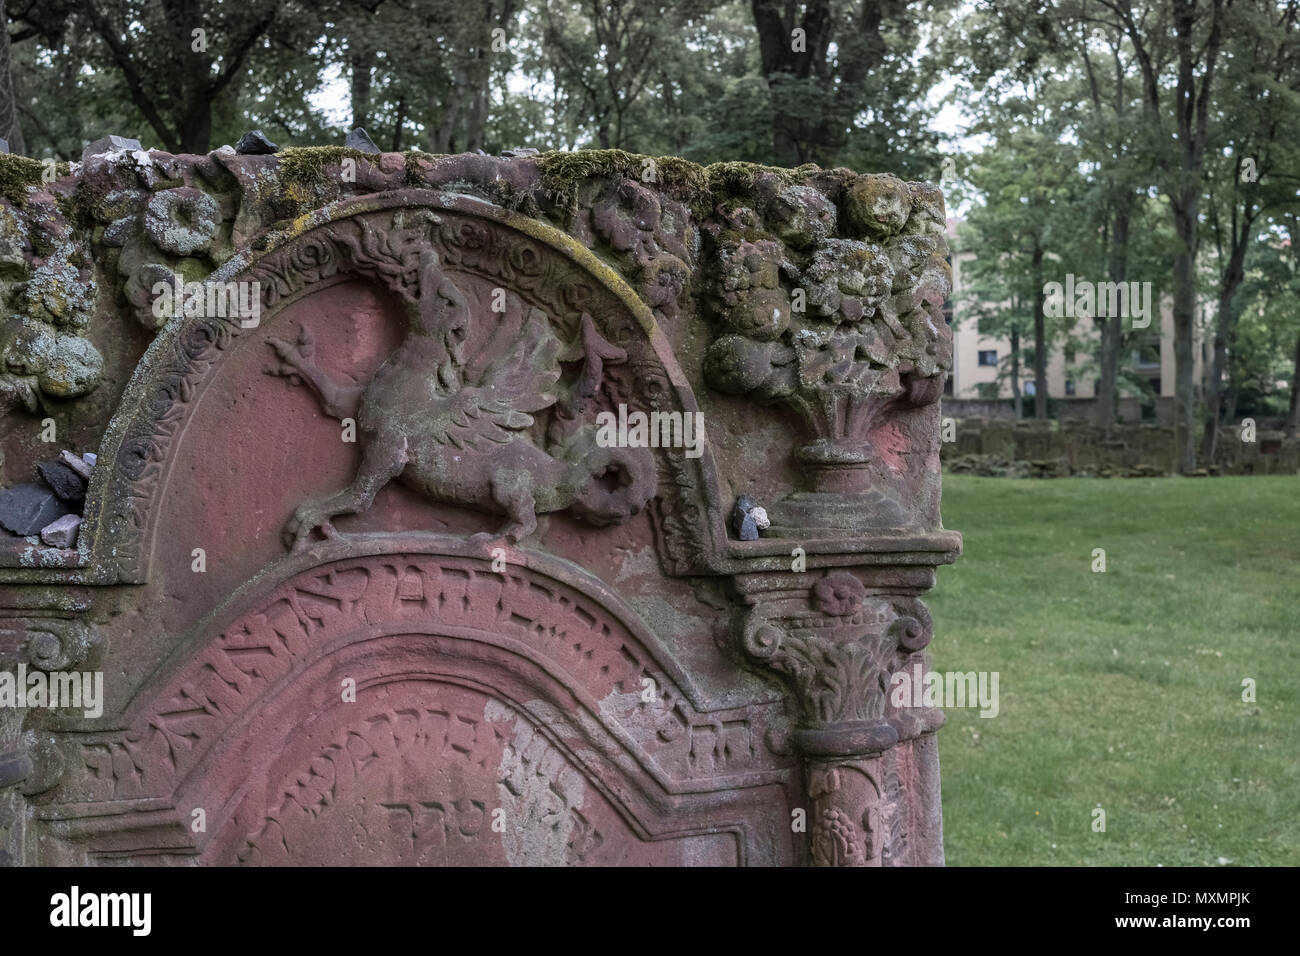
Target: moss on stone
{"x":414,"y":175}
{"x":192,"y":269}
{"x":562,"y":172}
{"x":19,"y":172}
{"x":702,"y":188}
{"x":305,"y":166}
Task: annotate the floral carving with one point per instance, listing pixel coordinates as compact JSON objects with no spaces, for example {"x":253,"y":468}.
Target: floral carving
{"x":839,"y":328}
{"x":838,"y":595}
{"x":182,"y":221}
{"x":840,"y":654}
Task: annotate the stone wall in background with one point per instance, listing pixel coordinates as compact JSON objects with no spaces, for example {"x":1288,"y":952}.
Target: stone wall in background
{"x":1057,"y":449}
{"x":1065,"y":409}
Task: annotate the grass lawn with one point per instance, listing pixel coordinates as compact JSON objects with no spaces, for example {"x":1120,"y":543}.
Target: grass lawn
{"x":1123,"y":690}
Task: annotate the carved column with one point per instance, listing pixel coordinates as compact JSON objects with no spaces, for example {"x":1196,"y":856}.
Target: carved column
{"x":871,"y":768}
{"x":834,"y":310}
{"x":28,"y":763}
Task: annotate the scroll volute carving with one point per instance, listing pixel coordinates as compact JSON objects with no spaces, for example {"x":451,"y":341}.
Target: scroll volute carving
{"x":837,"y":649}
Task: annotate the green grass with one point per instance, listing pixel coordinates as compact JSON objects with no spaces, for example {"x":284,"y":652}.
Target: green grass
{"x":1123,"y":690}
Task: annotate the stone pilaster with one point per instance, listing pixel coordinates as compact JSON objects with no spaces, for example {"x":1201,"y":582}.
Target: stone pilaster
{"x":870,"y":765}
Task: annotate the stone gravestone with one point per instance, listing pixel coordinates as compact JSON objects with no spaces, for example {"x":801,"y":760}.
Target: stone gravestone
{"x":542,"y":509}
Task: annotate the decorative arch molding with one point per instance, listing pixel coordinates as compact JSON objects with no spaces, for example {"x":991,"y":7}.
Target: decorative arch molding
{"x":377,"y":238}
{"x":551,"y":665}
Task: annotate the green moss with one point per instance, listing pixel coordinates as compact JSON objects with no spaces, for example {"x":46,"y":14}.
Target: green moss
{"x":19,"y":172}
{"x":562,"y":173}
{"x":193,"y":270}
{"x":90,"y":202}
{"x":68,"y":209}
{"x":412,"y":157}
{"x":733,"y":182}
{"x":700,"y":187}
{"x":305,"y":165}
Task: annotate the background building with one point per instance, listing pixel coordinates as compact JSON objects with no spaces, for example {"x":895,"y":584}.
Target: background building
{"x":974,"y":387}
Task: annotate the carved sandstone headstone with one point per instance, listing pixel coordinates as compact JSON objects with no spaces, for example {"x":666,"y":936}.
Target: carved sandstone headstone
{"x":544,"y":509}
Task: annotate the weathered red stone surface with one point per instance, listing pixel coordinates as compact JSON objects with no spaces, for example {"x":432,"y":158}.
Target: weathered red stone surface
{"x":367,"y":586}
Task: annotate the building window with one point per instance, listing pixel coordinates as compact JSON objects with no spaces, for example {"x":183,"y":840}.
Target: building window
{"x":1069,"y":386}
{"x":989,"y":357}
{"x":1031,"y":388}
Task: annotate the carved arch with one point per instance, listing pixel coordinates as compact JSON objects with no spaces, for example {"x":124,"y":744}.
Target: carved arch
{"x":552,"y":659}
{"x":530,"y":257}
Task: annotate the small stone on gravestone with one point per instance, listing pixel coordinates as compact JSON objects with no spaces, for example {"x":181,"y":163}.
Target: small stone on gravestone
{"x":76,"y":463}
{"x":359,"y":139}
{"x":26,"y":509}
{"x":747,"y":518}
{"x":63,"y":481}
{"x":255,"y":143}
{"x":107,"y":144}
{"x":62,"y":533}
{"x":90,"y":458}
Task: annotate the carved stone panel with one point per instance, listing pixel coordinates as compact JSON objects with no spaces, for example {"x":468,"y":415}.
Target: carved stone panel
{"x":411,"y":708}
{"x":369,"y":575}
{"x":425,"y":773}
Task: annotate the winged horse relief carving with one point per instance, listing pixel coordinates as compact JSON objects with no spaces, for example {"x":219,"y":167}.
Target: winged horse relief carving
{"x":455,"y":428}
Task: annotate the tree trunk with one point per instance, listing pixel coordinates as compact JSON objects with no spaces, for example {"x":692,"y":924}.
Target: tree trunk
{"x":793,"y":129}
{"x":1112,"y":329}
{"x":476,"y":118}
{"x":196,"y":128}
{"x":1214,"y":390}
{"x":360,"y":62}
{"x":195,"y":122}
{"x":1184,"y":330}
{"x":1225,"y":328}
{"x":1015,"y":373}
{"x":1040,"y":339}
{"x":10,"y":128}
{"x":399,"y":130}
{"x":1293,"y":422}
{"x":441,"y":132}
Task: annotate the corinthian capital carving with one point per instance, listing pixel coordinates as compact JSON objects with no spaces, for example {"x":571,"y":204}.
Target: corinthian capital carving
{"x":837,"y":647}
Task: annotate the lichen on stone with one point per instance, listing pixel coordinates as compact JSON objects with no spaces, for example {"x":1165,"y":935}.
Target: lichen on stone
{"x":182,"y":221}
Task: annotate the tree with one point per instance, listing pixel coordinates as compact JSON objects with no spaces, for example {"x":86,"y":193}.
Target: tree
{"x":1032,"y":193}
{"x":1251,"y":172}
{"x":177,"y":57}
{"x":826,"y":64}
{"x":1184,"y":38}
{"x":10,"y":127}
